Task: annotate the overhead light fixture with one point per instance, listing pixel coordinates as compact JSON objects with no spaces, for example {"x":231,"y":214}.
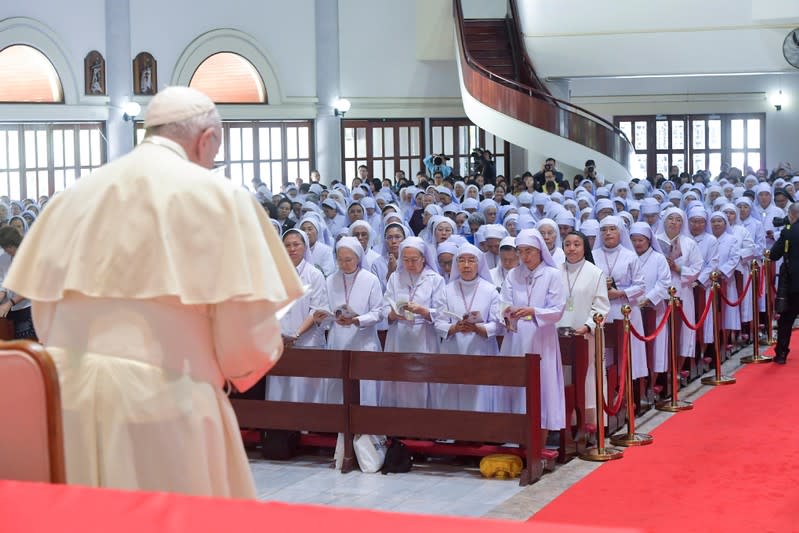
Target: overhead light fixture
{"x":341,"y":106}
{"x":778,"y":100}
{"x":131,"y":110}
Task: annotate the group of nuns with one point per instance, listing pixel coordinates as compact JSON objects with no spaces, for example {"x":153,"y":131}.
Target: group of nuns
{"x":482,"y":277}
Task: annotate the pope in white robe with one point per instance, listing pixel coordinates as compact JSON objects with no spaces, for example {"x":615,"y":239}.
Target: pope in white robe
{"x":148,"y":311}
{"x":470,"y":294}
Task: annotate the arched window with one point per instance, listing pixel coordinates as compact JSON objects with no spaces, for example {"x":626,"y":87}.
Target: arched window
{"x":229,"y":78}
{"x":28,"y":76}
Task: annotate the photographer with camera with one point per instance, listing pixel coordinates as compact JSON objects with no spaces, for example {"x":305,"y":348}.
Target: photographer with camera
{"x":540,"y":178}
{"x":787,"y":303}
{"x":437,"y":163}
{"x":483,"y":163}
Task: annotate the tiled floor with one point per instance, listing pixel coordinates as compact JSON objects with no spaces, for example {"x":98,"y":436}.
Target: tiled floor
{"x":431,"y":488}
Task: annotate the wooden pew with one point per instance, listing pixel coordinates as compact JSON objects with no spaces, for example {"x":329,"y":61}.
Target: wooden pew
{"x":298,"y":416}
{"x":524,"y":429}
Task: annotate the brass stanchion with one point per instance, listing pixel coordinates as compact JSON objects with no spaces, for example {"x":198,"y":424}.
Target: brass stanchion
{"x":718,"y":379}
{"x":600,"y":452}
{"x":755,"y":358}
{"x":768,"y":266}
{"x":630,"y":438}
{"x":674,"y":404}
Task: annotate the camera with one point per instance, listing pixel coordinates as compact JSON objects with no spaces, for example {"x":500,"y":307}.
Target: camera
{"x":779,"y":222}
{"x":438,"y":160}
{"x":476,"y":164}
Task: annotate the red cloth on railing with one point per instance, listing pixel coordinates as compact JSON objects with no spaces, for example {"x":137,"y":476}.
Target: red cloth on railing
{"x":625,"y":360}
{"x":761,"y":288}
{"x":701,"y":319}
{"x":743,"y":294}
{"x":657,"y":329}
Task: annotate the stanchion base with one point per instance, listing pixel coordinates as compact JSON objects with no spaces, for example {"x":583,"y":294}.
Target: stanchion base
{"x":723,"y":380}
{"x":676,"y":407}
{"x":608,"y":454}
{"x":636,"y":439}
{"x":755,"y":359}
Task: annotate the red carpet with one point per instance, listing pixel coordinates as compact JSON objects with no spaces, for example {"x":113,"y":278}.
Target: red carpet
{"x":730,"y":464}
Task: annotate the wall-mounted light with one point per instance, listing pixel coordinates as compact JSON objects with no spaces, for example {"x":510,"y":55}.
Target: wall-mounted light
{"x":131,"y":110}
{"x":778,"y":100}
{"x":341,"y":106}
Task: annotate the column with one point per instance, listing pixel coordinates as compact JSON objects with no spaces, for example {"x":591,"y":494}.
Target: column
{"x":328,"y":74}
{"x":118,"y":76}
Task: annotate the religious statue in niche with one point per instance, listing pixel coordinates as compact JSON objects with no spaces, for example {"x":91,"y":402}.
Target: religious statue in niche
{"x":94,"y":73}
{"x":145,"y":74}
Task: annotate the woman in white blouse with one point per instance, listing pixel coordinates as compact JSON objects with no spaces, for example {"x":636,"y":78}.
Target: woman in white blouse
{"x":414,"y":294}
{"x":298,"y":327}
{"x":470,"y":294}
{"x":587,"y":295}
{"x":355,"y":300}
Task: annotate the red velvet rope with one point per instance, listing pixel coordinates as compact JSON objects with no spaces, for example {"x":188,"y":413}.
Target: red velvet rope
{"x":625,"y":360}
{"x":743,"y":294}
{"x":701,"y":319}
{"x":658,"y":329}
{"x":762,"y":287}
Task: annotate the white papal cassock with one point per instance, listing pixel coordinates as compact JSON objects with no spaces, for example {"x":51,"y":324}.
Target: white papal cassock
{"x":147,"y":309}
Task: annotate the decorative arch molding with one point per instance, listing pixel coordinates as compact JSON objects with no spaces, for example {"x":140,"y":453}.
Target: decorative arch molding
{"x":24,"y":30}
{"x":228,"y":40}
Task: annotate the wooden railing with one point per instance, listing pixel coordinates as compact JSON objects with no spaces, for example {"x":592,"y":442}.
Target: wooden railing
{"x":536,"y":107}
{"x":350,"y":417}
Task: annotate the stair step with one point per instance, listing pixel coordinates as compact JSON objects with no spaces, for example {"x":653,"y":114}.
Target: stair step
{"x":491,"y":54}
{"x":494,"y":44}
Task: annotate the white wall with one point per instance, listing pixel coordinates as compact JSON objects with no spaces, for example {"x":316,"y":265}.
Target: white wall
{"x":573,"y":38}
{"x":65,"y":35}
{"x":283,"y":29}
{"x":378,"y":53}
{"x":698,"y":95}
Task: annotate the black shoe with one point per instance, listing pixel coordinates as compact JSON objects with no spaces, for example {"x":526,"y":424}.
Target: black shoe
{"x":780,"y":360}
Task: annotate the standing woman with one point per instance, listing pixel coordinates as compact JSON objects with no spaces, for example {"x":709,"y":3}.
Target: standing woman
{"x":470,"y":290}
{"x":587,"y":295}
{"x":416,"y":290}
{"x":685,"y":262}
{"x":321,"y":252}
{"x":357,"y":289}
{"x":300,"y":325}
{"x":284,"y":215}
{"x":386,"y":264}
{"x":15,"y":307}
{"x":657,"y":277}
{"x":533,"y":298}
{"x":551,"y":235}
{"x":729,"y":256}
{"x":614,"y":254}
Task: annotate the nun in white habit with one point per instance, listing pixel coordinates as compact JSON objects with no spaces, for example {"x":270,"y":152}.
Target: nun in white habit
{"x":355,"y":299}
{"x":699,"y":226}
{"x":508,"y":260}
{"x":321,"y":251}
{"x":362,"y":230}
{"x":747,"y":248}
{"x":551,"y":234}
{"x":657,"y":277}
{"x":471,"y":295}
{"x":298,"y":326}
{"x":614,"y":254}
{"x":414,"y":294}
{"x":685,"y":262}
{"x":532,"y":300}
{"x":587,"y":295}
{"x":729,"y":256}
